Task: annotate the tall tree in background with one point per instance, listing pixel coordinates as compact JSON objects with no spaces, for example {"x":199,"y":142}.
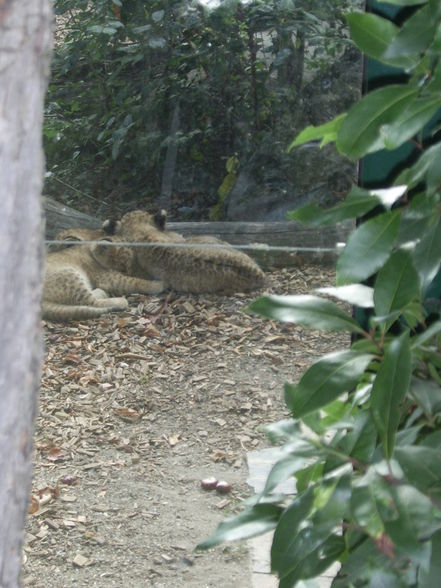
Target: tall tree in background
{"x":24,"y":60}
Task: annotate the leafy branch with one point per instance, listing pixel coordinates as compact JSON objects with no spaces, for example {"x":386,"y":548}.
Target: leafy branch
{"x":364,"y":440}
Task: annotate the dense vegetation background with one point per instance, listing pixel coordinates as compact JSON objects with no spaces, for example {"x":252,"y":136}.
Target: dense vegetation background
{"x":175,"y":103}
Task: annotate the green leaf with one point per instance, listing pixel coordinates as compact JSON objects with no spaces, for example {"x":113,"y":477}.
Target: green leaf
{"x":415,"y":35}
{"x":430,"y":578}
{"x":427,"y":255}
{"x":308,"y":475}
{"x":433,"y":439}
{"x":373,"y":34}
{"x":332,"y":500}
{"x":422,"y":467}
{"x":283,"y":430}
{"x":158,"y":15}
{"x":326,"y":132}
{"x":357,"y":203}
{"x":415,"y":220}
{"x":426,"y":335}
{"x":325,"y":380}
{"x":426,"y":168}
{"x":356,"y":294}
{"x":435,"y":10}
{"x":427,"y":394}
{"x":368,"y":248}
{"x":361,"y":563}
{"x":397,"y":283}
{"x":385,"y":579}
{"x":360,"y":133}
{"x":309,"y":311}
{"x":286,"y":532}
{"x":105,"y":30}
{"x":317,"y":562}
{"x":254,"y":521}
{"x":297,"y":536}
{"x":287,"y":466}
{"x":410,"y":122}
{"x":417,"y":518}
{"x":389,"y":389}
{"x":361,"y":441}
{"x":365,"y":512}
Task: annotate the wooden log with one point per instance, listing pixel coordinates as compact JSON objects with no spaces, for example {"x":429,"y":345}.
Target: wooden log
{"x":310,"y":244}
{"x":59,"y":217}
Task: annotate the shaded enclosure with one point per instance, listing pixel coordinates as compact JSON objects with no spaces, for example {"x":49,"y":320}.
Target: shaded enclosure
{"x":191,"y":107}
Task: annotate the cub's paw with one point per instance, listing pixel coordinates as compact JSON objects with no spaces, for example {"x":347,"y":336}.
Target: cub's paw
{"x":99,"y":294}
{"x":117,"y":304}
{"x":156,"y":287}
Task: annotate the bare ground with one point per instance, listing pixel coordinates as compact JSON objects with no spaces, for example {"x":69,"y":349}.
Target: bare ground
{"x":136,"y":409}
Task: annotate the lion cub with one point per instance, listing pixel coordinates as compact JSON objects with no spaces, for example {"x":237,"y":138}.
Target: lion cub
{"x":186,"y":269}
{"x":77,"y":280}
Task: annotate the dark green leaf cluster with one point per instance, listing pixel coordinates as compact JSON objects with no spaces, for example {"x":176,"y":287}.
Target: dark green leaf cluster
{"x":122,"y":68}
{"x":364,"y":441}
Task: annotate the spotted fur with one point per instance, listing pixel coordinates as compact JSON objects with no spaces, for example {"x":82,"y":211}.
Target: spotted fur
{"x":77,"y":283}
{"x":195,"y":269}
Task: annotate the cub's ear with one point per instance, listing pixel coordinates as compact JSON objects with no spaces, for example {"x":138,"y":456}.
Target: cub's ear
{"x":111,"y":226}
{"x":160,"y":219}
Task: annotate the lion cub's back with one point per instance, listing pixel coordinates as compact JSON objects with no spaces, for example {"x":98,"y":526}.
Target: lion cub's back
{"x":203,"y":269}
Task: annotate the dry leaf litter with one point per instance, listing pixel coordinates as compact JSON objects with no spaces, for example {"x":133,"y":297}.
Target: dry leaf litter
{"x":135,"y":410}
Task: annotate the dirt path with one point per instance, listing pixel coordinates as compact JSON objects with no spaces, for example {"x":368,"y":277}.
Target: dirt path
{"x":135,"y":410}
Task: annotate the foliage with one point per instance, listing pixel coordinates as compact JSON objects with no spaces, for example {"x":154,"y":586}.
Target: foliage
{"x":364,"y":440}
{"x":235,"y":73}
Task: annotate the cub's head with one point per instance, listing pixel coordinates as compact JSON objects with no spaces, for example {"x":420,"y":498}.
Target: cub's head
{"x":113,"y":257}
{"x":137,"y":221}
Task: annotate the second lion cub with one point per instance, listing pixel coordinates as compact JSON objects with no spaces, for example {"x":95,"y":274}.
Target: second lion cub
{"x":195,"y":269}
{"x":78,"y":280}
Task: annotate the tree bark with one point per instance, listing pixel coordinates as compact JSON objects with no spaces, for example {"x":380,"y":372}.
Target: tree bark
{"x":25,"y":42}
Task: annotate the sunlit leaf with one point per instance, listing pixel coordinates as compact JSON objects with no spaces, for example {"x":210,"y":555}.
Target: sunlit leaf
{"x":368,"y":248}
{"x":253,"y":521}
{"x":357,"y":294}
{"x":360,"y":132}
{"x":326,"y":380}
{"x":310,"y":311}
{"x":326,"y":132}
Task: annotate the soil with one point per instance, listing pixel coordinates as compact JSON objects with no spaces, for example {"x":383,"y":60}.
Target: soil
{"x":135,"y":410}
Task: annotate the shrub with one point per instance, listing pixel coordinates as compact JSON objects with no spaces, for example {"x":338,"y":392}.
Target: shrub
{"x":364,"y":439}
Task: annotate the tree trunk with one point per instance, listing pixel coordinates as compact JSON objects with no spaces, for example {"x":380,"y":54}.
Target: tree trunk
{"x":25,"y":41}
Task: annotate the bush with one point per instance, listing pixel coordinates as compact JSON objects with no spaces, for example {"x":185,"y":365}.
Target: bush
{"x":130,"y":78}
{"x":364,"y":440}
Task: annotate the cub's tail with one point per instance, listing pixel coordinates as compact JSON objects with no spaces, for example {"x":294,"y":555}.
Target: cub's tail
{"x":53,"y":311}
